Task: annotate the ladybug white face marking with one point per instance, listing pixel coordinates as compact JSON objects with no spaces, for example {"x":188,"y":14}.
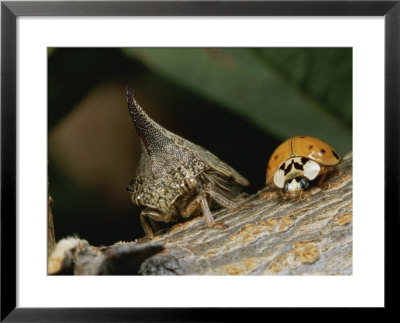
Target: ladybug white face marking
{"x":291,"y":172}
{"x":296,"y":184}
{"x":311,"y":169}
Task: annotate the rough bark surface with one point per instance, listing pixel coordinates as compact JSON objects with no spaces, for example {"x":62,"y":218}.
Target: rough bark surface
{"x":263,"y":236}
{"x":51,"y":241}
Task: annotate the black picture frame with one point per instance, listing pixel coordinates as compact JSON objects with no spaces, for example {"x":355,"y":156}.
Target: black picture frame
{"x":10,"y":10}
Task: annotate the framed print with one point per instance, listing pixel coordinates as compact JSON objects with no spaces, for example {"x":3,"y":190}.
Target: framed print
{"x":251,"y":120}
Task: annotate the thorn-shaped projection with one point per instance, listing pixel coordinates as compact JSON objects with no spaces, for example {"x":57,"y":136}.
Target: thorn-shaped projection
{"x":176,"y":178}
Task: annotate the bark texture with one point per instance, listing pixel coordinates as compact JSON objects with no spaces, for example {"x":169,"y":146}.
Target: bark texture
{"x":51,"y":241}
{"x":311,"y":235}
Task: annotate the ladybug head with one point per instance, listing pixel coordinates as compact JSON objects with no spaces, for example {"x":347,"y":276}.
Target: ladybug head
{"x":296,"y":184}
{"x":295,"y":174}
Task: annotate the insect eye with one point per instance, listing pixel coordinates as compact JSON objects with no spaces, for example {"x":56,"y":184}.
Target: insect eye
{"x":303,"y":183}
{"x":286,"y":187}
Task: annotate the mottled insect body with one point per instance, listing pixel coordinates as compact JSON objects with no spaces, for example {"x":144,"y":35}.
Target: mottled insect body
{"x":175,"y":177}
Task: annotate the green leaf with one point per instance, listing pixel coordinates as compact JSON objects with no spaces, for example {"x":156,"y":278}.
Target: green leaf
{"x":323,"y":74}
{"x":285,"y":92}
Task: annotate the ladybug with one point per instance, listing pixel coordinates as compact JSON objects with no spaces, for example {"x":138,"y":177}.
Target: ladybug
{"x":298,"y":161}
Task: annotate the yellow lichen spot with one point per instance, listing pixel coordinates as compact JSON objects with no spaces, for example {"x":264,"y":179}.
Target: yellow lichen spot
{"x":282,"y":260}
{"x":286,"y":222}
{"x":251,"y":231}
{"x":249,"y":263}
{"x":268,"y":254}
{"x":233,"y":270}
{"x":275,"y":267}
{"x":300,"y":244}
{"x":244,"y":232}
{"x":272,"y":221}
{"x":346,"y":218}
{"x":248,"y":233}
{"x":210,"y":253}
{"x":249,"y":238}
{"x":307,"y":254}
{"x":269,"y":224}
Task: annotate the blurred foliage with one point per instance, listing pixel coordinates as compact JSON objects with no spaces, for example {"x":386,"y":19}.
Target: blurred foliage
{"x":73,"y":72}
{"x":239,"y":103}
{"x":284,"y":91}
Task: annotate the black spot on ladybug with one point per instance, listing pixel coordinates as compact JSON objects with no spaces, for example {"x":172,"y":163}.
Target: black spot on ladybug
{"x":276,"y":157}
{"x":298,"y":166}
{"x":304,"y":160}
{"x":335,"y":154}
{"x":323,"y":151}
{"x":287,"y":170}
{"x":310,"y":147}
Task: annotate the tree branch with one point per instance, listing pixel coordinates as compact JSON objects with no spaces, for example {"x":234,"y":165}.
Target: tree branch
{"x":263,"y":237}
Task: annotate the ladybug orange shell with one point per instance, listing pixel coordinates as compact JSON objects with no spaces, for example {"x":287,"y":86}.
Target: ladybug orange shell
{"x":305,"y":149}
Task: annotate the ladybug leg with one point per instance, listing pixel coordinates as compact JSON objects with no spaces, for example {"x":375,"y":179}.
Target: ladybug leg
{"x":335,"y":172}
{"x":287,"y":195}
{"x":322,"y":179}
{"x":299,"y":196}
{"x":328,"y":173}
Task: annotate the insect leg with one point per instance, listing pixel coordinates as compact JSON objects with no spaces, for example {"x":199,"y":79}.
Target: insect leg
{"x":206,"y":211}
{"x":154,"y":225}
{"x":153,"y":215}
{"x":191,"y":207}
{"x":221,"y":198}
{"x":202,"y":201}
{"x":146,"y":225}
{"x":322,"y":179}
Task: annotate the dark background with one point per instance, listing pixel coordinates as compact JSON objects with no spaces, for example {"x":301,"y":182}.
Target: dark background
{"x":238,"y":103}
